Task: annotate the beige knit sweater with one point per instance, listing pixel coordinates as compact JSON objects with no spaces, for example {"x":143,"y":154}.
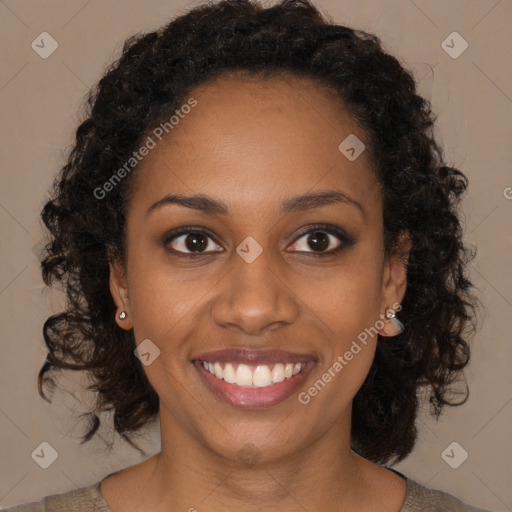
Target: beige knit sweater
{"x":89,"y":499}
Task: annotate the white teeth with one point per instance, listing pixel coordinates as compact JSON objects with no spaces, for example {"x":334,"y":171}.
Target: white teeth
{"x":278,"y":373}
{"x":243,"y":375}
{"x":218,"y":370}
{"x":229,"y":374}
{"x":260,"y":376}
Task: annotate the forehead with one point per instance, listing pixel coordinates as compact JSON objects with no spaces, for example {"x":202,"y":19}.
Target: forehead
{"x":250,"y":139}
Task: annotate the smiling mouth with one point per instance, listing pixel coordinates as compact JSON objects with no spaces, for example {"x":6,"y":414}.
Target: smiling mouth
{"x":250,"y":379}
{"x":252,"y":376}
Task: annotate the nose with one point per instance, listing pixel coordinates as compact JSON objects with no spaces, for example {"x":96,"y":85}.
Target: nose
{"x":255,"y":298}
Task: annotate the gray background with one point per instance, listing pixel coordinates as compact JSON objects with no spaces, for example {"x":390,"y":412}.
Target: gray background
{"x":39,"y":104}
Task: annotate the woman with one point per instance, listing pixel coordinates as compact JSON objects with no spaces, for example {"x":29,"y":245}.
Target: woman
{"x":261,"y":248}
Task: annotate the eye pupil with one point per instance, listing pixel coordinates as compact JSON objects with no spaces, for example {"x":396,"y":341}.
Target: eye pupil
{"x":196,"y":241}
{"x":318,"y":240}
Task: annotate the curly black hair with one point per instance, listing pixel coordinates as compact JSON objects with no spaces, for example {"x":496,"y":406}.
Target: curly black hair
{"x":421,"y":194}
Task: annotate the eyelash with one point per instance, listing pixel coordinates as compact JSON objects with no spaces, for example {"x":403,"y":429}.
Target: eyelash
{"x":345,"y":239}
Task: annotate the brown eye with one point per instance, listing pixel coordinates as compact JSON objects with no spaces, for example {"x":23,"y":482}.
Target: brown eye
{"x":318,"y":241}
{"x":322,"y":241}
{"x":191,"y":242}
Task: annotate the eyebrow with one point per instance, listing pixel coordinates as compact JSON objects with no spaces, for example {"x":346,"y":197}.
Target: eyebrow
{"x":300,"y":203}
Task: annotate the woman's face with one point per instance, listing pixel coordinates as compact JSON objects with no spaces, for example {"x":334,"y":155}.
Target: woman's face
{"x":257,"y":281}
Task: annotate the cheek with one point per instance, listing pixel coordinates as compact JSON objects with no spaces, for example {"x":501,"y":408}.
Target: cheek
{"x":349,"y":311}
{"x":159,"y":296}
{"x":165,"y":309}
{"x":348,"y":305}
{"x":348,"y":298}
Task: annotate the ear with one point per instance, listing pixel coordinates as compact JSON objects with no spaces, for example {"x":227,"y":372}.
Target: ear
{"x":394,"y":282}
{"x":119,"y":290}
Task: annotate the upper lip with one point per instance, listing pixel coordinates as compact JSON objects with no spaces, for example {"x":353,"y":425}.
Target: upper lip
{"x":251,"y":356}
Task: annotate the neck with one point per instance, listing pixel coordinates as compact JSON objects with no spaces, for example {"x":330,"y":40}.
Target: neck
{"x":325,"y":475}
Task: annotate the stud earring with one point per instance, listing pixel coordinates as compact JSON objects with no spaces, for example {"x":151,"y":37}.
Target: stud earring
{"x":390,"y":314}
{"x":394,"y":320}
{"x":399,"y":327}
{"x":122,"y":315}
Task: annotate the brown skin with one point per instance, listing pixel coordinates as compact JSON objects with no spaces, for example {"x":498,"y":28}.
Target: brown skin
{"x":253,"y":144}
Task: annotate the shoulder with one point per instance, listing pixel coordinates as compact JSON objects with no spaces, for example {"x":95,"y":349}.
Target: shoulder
{"x":85,"y":499}
{"x":422,"y":499}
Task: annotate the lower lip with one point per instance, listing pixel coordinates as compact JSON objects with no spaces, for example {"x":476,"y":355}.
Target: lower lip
{"x":253,"y":398}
